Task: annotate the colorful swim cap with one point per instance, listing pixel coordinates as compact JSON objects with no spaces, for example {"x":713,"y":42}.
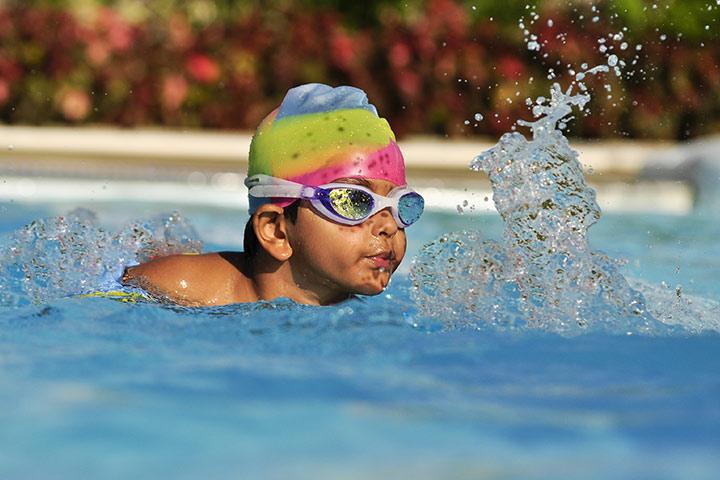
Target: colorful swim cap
{"x":319,"y":134}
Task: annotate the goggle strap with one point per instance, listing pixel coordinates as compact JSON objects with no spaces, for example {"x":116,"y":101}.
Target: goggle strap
{"x":266,"y":180}
{"x":280,"y":191}
{"x":265,"y":186}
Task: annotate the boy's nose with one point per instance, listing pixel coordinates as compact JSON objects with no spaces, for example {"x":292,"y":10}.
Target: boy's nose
{"x":383,"y":223}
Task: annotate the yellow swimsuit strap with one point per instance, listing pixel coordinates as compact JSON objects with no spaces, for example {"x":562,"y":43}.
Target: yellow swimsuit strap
{"x":126,"y":297}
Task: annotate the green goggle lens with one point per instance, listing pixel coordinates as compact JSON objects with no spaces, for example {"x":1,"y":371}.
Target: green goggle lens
{"x":351,"y":203}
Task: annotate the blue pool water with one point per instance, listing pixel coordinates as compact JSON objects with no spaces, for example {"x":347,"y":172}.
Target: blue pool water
{"x":96,"y":388}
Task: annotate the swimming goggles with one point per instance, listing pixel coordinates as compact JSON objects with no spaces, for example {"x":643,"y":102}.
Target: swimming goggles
{"x":344,"y":203}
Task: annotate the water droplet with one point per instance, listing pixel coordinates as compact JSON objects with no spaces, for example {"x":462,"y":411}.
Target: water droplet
{"x":478,"y":117}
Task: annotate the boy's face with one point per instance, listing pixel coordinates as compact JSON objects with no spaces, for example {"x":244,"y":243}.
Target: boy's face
{"x":347,"y":259}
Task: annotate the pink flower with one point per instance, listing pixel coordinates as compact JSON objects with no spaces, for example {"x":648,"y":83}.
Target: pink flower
{"x":202,"y":68}
{"x":511,"y":67}
{"x":97,"y":52}
{"x":399,"y":54}
{"x":342,"y":49}
{"x":119,"y":34}
{"x":74,"y":104}
{"x":409,"y":83}
{"x":174,"y":91}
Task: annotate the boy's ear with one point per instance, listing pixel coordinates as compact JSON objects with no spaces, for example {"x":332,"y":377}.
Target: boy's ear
{"x":270,"y":228}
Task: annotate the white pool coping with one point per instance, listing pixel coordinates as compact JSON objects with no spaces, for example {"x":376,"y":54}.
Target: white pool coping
{"x":168,"y":146}
{"x":223,"y":192}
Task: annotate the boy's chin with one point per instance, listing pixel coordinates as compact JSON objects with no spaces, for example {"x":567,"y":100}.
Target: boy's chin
{"x":375,"y":288}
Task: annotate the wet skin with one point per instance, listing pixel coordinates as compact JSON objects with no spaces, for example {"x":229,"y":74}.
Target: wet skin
{"x":313,"y":260}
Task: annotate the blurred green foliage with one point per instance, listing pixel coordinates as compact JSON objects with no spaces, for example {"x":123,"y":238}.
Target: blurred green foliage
{"x":429,"y":65}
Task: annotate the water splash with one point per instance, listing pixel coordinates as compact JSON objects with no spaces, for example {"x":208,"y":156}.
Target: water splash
{"x":72,"y":254}
{"x":543,"y":274}
{"x":670,"y":305}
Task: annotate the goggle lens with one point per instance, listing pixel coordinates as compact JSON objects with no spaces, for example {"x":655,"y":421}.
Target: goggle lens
{"x":410,"y":207}
{"x":350,"y":203}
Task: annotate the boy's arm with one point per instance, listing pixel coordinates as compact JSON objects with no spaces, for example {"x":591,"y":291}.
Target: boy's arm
{"x":190,"y":280}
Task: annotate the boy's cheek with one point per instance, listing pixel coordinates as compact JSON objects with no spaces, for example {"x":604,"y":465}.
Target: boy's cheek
{"x":400,"y":249}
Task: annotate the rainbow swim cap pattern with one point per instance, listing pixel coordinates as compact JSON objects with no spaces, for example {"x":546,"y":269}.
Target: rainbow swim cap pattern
{"x":319,"y":134}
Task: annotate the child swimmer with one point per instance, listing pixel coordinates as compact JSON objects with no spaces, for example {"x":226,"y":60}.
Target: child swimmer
{"x":329,"y":205}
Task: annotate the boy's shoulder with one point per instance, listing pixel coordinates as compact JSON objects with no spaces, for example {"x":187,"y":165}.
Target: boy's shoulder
{"x":194,"y":279}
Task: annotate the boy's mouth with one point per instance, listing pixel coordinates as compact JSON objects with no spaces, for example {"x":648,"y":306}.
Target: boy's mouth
{"x":384,"y":259}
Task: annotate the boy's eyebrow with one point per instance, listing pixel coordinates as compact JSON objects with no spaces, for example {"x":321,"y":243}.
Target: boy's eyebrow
{"x":357,"y":181}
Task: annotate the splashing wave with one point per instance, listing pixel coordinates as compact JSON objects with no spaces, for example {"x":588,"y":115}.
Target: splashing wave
{"x":543,"y":273}
{"x":72,"y":254}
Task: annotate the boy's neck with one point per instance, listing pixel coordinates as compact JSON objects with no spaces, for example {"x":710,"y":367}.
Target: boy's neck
{"x":273,"y":279}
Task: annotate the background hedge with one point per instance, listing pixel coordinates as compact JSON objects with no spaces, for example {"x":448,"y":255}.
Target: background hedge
{"x":429,"y":66}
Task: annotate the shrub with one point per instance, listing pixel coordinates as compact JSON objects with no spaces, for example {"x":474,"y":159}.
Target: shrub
{"x":430,"y":66}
